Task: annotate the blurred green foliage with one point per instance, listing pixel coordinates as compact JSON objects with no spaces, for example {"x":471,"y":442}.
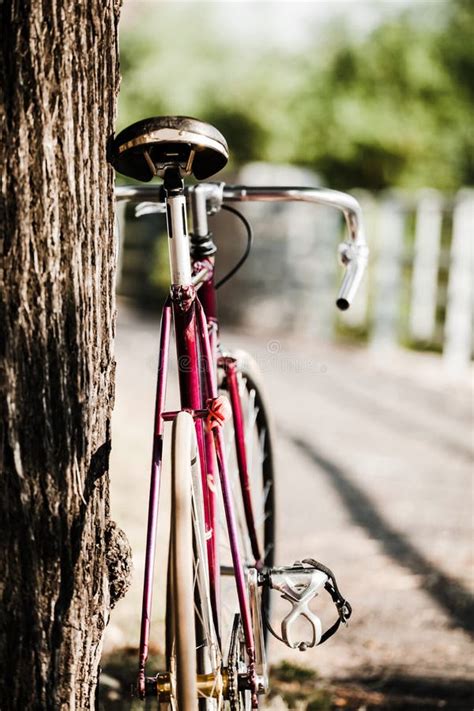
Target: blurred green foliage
{"x":393,"y":108}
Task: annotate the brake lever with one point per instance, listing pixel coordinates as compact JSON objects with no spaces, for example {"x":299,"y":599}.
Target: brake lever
{"x":354,"y":257}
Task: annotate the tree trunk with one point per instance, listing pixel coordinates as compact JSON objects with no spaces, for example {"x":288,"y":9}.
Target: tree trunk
{"x":62,"y":561}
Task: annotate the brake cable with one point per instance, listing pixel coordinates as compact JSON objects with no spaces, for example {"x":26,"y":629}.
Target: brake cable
{"x":246,"y":253}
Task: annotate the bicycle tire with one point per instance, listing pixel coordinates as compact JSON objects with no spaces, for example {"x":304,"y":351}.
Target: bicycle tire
{"x":251,"y":375}
{"x":260,"y":434}
{"x":253,"y":389}
{"x":192,"y":645}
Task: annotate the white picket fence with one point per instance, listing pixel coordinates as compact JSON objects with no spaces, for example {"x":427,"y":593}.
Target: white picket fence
{"x":419,"y":286}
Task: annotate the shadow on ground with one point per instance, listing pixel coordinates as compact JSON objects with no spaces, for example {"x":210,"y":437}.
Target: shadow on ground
{"x":451,"y":595}
{"x":295,"y":687}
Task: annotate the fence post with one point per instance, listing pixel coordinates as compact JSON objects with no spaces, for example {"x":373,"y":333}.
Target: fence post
{"x":459,"y":309}
{"x":425,"y":266}
{"x":388,"y":273}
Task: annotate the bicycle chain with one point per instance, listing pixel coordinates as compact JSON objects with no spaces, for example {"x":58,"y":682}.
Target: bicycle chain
{"x":235,"y":696}
{"x":233,"y":666}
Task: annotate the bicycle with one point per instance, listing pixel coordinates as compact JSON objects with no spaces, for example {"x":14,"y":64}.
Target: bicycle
{"x":215,"y":656}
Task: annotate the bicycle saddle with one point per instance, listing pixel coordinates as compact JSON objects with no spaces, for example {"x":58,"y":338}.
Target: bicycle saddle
{"x":148,"y":147}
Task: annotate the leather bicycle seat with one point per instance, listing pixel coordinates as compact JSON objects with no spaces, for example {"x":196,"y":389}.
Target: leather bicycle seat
{"x":148,"y":147}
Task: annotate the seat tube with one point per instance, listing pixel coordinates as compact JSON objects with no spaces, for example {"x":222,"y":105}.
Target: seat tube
{"x":183,"y":298}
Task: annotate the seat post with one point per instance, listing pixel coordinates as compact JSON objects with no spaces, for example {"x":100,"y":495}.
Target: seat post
{"x":178,"y":238}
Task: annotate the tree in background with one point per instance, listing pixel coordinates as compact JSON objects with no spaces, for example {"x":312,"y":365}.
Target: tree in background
{"x":389,"y":109}
{"x":63,"y":562}
{"x":394,"y":109}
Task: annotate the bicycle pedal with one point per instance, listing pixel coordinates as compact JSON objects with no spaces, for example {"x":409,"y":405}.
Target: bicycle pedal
{"x":299,"y":585}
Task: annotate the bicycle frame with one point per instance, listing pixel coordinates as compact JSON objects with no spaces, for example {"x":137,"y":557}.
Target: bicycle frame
{"x":195,"y":326}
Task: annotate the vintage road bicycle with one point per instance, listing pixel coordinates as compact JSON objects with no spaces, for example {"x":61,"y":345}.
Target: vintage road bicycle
{"x":220,"y":571}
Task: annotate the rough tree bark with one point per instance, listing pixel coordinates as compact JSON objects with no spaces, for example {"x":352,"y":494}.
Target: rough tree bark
{"x":63,"y":562}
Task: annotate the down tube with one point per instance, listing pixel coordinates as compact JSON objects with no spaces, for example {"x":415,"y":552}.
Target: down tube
{"x":154,"y":496}
{"x":229,"y":508}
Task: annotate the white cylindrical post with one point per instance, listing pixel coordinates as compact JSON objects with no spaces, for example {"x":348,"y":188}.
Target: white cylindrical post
{"x":424,"y":286}
{"x":459,"y":310}
{"x":388,"y":274}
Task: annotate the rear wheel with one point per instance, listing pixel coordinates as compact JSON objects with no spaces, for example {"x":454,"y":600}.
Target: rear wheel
{"x":192,"y":648}
{"x":260,"y":464}
{"x":193,"y":656}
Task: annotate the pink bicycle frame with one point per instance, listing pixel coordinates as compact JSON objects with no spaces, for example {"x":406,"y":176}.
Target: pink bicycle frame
{"x":195,"y":324}
{"x":196,"y":341}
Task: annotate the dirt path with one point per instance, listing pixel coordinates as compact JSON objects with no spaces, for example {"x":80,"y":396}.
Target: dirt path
{"x":374,"y":478}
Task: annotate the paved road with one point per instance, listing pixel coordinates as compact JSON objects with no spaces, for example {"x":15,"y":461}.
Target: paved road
{"x":374,"y":478}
